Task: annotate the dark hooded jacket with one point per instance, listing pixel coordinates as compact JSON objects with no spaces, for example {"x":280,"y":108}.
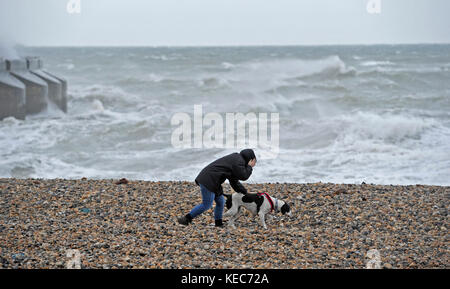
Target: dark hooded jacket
{"x":233,"y":167}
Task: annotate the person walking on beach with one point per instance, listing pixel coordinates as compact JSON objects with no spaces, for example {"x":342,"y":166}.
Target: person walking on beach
{"x":235,"y":167}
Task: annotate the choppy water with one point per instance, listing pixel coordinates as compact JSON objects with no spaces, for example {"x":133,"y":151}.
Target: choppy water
{"x":348,"y":114}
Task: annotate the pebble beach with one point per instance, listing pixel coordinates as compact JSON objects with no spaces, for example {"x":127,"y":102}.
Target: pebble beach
{"x":132,"y":224}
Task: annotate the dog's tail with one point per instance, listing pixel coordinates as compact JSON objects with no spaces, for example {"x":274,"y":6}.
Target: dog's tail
{"x":229,"y":201}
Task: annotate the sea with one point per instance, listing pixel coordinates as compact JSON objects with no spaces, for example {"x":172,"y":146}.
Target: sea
{"x":347,"y":114}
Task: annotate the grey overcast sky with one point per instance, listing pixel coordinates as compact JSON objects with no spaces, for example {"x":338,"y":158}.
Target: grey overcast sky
{"x":223,"y":22}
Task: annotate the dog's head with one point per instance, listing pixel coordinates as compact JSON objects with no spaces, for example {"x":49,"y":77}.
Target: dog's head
{"x":286,"y":209}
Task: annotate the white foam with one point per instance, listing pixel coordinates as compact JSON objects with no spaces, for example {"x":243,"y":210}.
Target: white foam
{"x":155,"y":77}
{"x":298,"y":68}
{"x":67,"y":66}
{"x":386,"y":127}
{"x":227,"y":65}
{"x":377,"y":63}
{"x":97,"y":106}
{"x":110,"y":95}
{"x":159,"y":57}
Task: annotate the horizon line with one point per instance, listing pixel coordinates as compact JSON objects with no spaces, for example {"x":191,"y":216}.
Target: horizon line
{"x":238,"y":45}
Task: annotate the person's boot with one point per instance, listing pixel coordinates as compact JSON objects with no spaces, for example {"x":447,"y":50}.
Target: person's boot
{"x":219,"y":223}
{"x":185,"y":220}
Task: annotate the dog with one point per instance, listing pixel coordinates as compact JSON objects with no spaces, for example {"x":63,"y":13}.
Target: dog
{"x":257,"y":203}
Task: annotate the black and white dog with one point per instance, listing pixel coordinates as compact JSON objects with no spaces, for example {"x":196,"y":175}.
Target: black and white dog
{"x":257,"y":203}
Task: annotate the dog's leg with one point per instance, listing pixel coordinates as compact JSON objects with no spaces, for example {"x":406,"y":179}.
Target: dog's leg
{"x":231,"y":212}
{"x":262,"y":219}
{"x":231,"y":222}
{"x":238,"y":214}
{"x":227,"y":213}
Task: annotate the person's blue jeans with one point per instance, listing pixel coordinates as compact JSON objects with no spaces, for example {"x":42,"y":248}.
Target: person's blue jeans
{"x":207,"y":200}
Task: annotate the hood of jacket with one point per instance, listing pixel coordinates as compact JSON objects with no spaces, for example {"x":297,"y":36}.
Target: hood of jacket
{"x":247,"y":154}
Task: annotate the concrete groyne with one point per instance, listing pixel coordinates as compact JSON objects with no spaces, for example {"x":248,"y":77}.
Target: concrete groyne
{"x":25,"y":88}
{"x":12,"y":94}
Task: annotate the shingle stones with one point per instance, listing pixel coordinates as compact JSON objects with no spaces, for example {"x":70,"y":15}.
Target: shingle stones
{"x":133,"y":225}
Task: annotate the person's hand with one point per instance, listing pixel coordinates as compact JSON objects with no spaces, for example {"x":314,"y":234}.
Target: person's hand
{"x":252,"y":162}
